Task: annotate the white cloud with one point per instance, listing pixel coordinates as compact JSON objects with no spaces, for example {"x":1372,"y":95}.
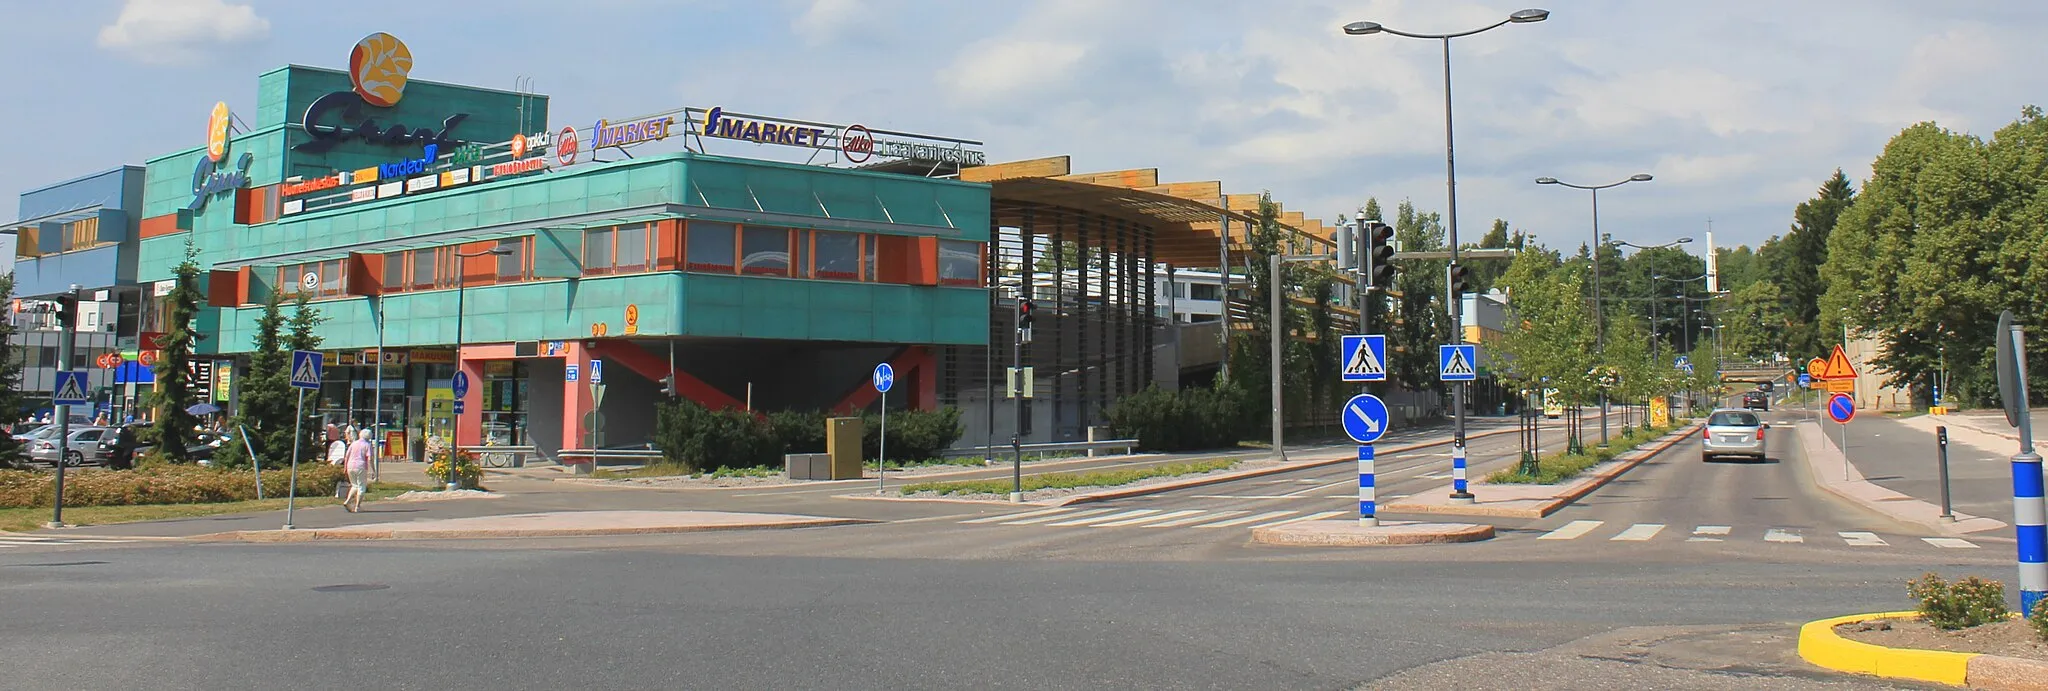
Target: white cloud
{"x":999,"y":69}
{"x":827,"y":19}
{"x":180,"y":31}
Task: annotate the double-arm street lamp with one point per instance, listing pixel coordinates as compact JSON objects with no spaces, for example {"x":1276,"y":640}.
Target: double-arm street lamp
{"x":1451,"y":302}
{"x":1599,"y":315}
{"x":462,"y":292}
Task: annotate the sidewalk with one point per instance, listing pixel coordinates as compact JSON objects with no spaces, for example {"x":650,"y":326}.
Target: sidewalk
{"x":1888,"y":446}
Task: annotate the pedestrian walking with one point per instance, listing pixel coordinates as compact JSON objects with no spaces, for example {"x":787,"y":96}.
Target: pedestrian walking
{"x":358,"y":467}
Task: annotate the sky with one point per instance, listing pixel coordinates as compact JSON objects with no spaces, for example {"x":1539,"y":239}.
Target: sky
{"x":1739,"y":108}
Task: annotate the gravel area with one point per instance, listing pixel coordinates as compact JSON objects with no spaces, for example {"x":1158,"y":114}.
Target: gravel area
{"x":436,"y":495}
{"x":1049,"y":494}
{"x":2009,"y":638}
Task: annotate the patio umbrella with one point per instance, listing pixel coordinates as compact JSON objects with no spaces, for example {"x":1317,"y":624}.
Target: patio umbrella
{"x":203,"y":409}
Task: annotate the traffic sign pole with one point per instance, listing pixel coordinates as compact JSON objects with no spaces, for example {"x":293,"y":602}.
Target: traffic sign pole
{"x":1368,"y":515}
{"x":2029,"y":507}
{"x":884,"y":379}
{"x":68,"y":340}
{"x":298,"y":434}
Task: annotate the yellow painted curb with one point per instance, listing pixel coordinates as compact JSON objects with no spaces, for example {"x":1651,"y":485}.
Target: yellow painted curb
{"x":1819,"y":645}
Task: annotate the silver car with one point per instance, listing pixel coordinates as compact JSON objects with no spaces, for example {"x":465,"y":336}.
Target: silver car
{"x":83,"y":447}
{"x":1731,"y":432}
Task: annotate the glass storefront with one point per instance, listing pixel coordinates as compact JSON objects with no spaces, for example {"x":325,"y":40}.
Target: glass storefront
{"x":504,"y":403}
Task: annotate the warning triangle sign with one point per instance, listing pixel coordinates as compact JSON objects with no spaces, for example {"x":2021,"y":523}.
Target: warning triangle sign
{"x":1363,"y":363}
{"x":70,"y":389}
{"x":306,"y":374}
{"x":1838,"y":366}
{"x":1458,"y":366}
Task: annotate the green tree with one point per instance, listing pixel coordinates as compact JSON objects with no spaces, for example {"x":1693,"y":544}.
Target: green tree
{"x":1794,"y":261}
{"x":303,"y":336}
{"x":1250,"y":354}
{"x":173,"y":432}
{"x":1485,"y":274}
{"x":11,"y":404}
{"x":1419,"y":319}
{"x":265,"y":403}
{"x":1549,"y":340}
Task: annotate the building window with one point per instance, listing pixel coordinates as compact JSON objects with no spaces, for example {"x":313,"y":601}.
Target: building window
{"x":711,"y":246}
{"x":764,"y":251}
{"x":394,"y":271}
{"x":630,"y":247}
{"x":867,"y":257}
{"x":800,"y":254}
{"x":837,"y":256}
{"x":81,"y":234}
{"x":597,"y":251}
{"x":423,"y":268}
{"x":512,"y":267}
{"x":326,"y":279}
{"x":1203,"y":291}
{"x":959,"y":263}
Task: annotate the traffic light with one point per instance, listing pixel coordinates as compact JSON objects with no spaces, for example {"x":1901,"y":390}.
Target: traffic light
{"x":67,"y":311}
{"x":1024,"y":320}
{"x":1458,"y":274}
{"x":1347,"y":252}
{"x":1379,"y":254}
{"x":668,"y":385}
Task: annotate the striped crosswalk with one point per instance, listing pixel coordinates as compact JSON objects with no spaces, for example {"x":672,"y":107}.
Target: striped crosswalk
{"x":1071,"y":517}
{"x":16,"y":540}
{"x":1646,"y":532}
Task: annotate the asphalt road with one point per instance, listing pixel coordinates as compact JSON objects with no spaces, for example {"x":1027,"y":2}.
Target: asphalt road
{"x":1902,"y":458}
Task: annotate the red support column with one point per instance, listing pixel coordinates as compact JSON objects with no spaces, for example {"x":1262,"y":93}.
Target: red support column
{"x":469,"y":424}
{"x":576,"y":399}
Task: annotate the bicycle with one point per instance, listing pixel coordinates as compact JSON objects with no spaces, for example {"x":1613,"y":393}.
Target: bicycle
{"x":496,"y":459}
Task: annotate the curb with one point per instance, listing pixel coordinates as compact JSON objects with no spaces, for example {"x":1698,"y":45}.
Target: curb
{"x":1347,"y":533}
{"x":1821,"y":646}
{"x":324,"y":534}
{"x":1885,"y":506}
{"x":1574,"y":492}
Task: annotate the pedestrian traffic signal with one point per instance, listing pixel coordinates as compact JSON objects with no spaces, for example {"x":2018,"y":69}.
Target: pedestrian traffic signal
{"x":1458,"y":279}
{"x":1024,"y":309}
{"x":1379,"y":254}
{"x":1347,"y":253}
{"x":67,"y":311}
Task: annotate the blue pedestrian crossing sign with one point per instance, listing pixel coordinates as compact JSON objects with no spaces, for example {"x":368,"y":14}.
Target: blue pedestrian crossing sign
{"x":306,"y":369}
{"x":1365,"y":418}
{"x":1365,"y":357}
{"x":69,"y":389}
{"x":596,"y":372}
{"x":1805,"y":381}
{"x":1457,"y":362}
{"x":885,"y":377}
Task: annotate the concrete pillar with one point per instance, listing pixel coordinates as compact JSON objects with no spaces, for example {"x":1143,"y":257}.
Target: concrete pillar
{"x":576,"y":398}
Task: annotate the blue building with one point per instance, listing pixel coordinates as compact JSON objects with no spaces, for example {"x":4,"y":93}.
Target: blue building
{"x":80,"y":234}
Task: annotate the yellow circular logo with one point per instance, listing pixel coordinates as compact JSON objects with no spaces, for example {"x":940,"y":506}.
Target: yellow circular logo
{"x":217,"y":132}
{"x":378,"y":67}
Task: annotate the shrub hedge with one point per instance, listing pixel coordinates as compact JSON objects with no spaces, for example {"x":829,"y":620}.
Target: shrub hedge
{"x":1189,"y":419}
{"x":1969,"y":602}
{"x":701,"y":440}
{"x":167,"y":484}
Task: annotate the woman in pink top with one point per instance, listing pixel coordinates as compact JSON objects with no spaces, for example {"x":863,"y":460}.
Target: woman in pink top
{"x":358,"y":466}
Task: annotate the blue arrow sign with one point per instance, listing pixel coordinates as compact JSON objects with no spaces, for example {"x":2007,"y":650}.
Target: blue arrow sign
{"x":1364,"y":357}
{"x":460,"y":384}
{"x":885,"y":377}
{"x":307,"y":369}
{"x":570,"y":372}
{"x":1365,"y":418}
{"x":1458,"y":362}
{"x":69,"y":389}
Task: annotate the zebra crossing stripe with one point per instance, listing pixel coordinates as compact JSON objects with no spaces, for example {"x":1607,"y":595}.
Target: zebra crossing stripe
{"x":1042,"y":519}
{"x":1785,"y":536}
{"x":1267,"y":516}
{"x":1949,"y":542}
{"x":1571,"y":530}
{"x":1639,"y":532}
{"x":1112,"y":517}
{"x":1862,"y":539}
{"x":1708,"y":533}
{"x":1311,"y":517}
{"x":1210,"y":516}
{"x":1011,"y":516}
{"x":1145,"y":519}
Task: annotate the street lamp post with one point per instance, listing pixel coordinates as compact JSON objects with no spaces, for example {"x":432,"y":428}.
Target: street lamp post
{"x":1599,"y":314}
{"x":1452,"y":303}
{"x":461,"y":293}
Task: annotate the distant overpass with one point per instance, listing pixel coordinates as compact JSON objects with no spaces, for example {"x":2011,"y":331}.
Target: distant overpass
{"x":1757,"y":375}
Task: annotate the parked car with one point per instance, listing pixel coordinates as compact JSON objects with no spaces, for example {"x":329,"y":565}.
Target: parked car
{"x":1733,"y":432}
{"x":1757,"y":400}
{"x":124,"y":444}
{"x":81,"y":448}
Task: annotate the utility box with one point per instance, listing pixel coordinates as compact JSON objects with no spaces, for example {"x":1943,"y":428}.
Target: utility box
{"x":842,"y":442}
{"x":808,"y":466}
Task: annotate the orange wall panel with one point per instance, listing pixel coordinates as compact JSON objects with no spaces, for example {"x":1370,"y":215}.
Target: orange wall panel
{"x":481,"y":270}
{"x":150,"y":227}
{"x":668,"y":245}
{"x":365,"y":274}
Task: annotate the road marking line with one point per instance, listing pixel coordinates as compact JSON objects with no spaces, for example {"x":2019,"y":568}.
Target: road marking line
{"x":1638,"y":532}
{"x":1112,"y":517}
{"x":1246,"y":496}
{"x":1311,"y":517}
{"x":1857,"y":538}
{"x":1571,"y":530}
{"x":1324,"y":486}
{"x":1209,"y":516}
{"x":1949,"y":542}
{"x":1786,"y":536}
{"x":1146,"y":519}
{"x":1269,"y":515}
{"x":1042,"y":519}
{"x":1013,"y":516}
{"x":1708,"y":533}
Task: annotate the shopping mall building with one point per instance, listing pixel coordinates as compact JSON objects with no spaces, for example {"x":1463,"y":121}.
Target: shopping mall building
{"x":440,"y":228}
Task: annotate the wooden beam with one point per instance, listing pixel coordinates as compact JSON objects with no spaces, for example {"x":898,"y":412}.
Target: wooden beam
{"x":1205,"y":192}
{"x":1049,"y":167}
{"x":1247,"y":203}
{"x":1133,"y":179}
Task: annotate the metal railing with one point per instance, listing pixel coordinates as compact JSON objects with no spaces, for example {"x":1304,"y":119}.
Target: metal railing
{"x":1003,"y":451}
{"x":597,"y":457}
{"x":502,"y":456}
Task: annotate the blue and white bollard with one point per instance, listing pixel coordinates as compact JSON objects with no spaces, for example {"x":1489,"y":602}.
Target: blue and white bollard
{"x":1367,"y":517}
{"x":1458,"y":470}
{"x":2030,"y":523}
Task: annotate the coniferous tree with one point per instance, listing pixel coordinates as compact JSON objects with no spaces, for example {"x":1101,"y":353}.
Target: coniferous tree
{"x":10,"y":373}
{"x":173,"y":434}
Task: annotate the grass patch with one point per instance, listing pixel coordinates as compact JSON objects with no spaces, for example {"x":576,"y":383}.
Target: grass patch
{"x":1105,"y":478}
{"x":32,"y":518}
{"x":1557,"y":468}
